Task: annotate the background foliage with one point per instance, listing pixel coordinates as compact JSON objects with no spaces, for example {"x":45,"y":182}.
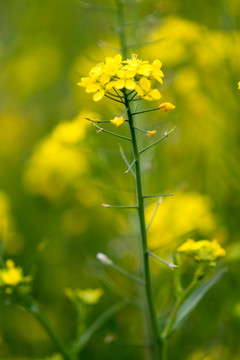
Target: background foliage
{"x":55,"y":172}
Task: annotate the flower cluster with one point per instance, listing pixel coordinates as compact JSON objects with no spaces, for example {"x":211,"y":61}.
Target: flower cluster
{"x":204,"y":250}
{"x":131,"y":74}
{"x":12,"y":276}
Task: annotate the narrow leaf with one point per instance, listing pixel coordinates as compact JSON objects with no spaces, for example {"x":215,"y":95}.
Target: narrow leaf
{"x":192,"y":301}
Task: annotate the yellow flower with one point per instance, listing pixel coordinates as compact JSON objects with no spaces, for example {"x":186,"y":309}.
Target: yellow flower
{"x":164,"y":107}
{"x":131,"y":74}
{"x":86,"y":296}
{"x":11,"y":275}
{"x":203,"y":250}
{"x":151,"y":132}
{"x":239,"y":85}
{"x":117,"y":120}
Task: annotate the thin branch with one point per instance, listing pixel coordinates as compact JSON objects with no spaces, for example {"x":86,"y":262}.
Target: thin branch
{"x":144,"y":111}
{"x":97,"y":121}
{"x":119,"y":101}
{"x":139,"y":129}
{"x":154,"y":213}
{"x":128,"y":274}
{"x":158,"y":141}
{"x":104,"y":45}
{"x":82,"y":341}
{"x":110,"y":133}
{"x":160,"y":195}
{"x":120,"y":207}
{"x":125,"y":160}
{"x":130,"y":166}
{"x":171,"y":265}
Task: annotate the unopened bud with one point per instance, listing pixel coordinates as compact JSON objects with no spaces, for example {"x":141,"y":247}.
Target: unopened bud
{"x":164,"y":107}
{"x":104,"y":259}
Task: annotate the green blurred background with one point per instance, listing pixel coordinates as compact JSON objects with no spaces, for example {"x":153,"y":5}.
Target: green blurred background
{"x":55,"y":171}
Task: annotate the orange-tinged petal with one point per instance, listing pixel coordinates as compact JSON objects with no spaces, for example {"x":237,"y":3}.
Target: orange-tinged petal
{"x":151,"y":132}
{"x":164,"y":107}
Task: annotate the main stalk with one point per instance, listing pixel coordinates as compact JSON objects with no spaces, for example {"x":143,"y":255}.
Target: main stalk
{"x":156,"y":344}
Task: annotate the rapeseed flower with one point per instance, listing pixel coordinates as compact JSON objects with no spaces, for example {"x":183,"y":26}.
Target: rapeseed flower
{"x":117,"y":120}
{"x":86,"y":296}
{"x":151,"y":132}
{"x":12,"y":276}
{"x":131,"y":74}
{"x":203,"y":250}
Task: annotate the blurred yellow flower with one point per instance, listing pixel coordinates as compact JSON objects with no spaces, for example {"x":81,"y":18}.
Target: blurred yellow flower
{"x":57,"y":162}
{"x":4,"y":215}
{"x":177,"y":216}
{"x":203,"y":250}
{"x":86,"y":296}
{"x":117,"y":120}
{"x":239,"y":85}
{"x":11,"y":275}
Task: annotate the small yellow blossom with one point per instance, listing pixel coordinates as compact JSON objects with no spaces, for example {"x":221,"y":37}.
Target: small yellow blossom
{"x":164,"y":107}
{"x":239,"y":85}
{"x":86,"y":296}
{"x":118,"y":120}
{"x":131,"y":74}
{"x":203,"y":250}
{"x":11,"y":275}
{"x":151,"y":132}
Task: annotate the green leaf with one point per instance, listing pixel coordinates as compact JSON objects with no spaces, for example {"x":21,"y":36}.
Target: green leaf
{"x":191,"y":302}
{"x":84,"y":338}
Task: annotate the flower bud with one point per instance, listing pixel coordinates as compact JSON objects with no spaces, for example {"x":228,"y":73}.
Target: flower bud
{"x":104,"y":259}
{"x":164,"y":107}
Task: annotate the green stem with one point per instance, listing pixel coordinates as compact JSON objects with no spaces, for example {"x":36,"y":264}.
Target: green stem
{"x":140,"y":199}
{"x":172,"y":317}
{"x":121,"y":27}
{"x":34,"y":309}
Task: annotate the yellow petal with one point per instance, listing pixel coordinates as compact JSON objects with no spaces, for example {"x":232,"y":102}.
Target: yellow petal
{"x":151,"y":132}
{"x":92,"y":88}
{"x":104,"y":79}
{"x":130,"y":84}
{"x":98,"y":95}
{"x":119,"y":84}
{"x":139,"y":90}
{"x":118,"y":120}
{"x":145,"y":84}
{"x":110,"y":85}
{"x":155,"y":94}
